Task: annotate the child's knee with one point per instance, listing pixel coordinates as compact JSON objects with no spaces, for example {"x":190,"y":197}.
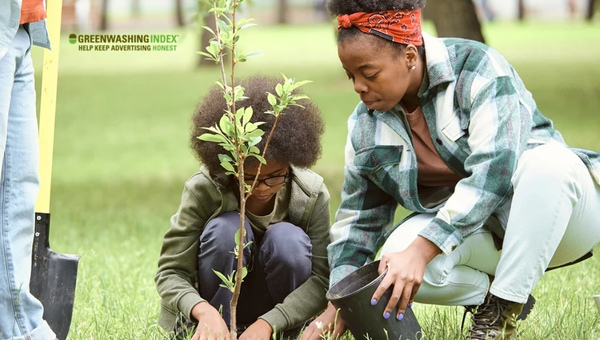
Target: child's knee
{"x":289,"y":244}
{"x":220,"y":231}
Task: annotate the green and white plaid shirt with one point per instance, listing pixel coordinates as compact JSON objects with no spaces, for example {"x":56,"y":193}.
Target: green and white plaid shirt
{"x":481,"y":118}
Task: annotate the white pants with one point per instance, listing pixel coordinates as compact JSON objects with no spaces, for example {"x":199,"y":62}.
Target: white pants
{"x":552,"y":219}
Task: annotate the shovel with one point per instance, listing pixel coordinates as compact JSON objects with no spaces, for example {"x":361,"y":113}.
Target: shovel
{"x":53,"y":276}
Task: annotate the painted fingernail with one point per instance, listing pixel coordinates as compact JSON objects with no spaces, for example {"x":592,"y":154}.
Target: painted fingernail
{"x":373,"y":302}
{"x":410,"y":304}
{"x":400,"y":317}
{"x":386,"y":315}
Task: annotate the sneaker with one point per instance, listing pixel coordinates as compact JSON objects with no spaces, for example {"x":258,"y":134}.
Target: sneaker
{"x":495,"y":319}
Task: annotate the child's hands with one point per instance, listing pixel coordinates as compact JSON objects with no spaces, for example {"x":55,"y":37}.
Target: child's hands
{"x":211,"y":325}
{"x":259,"y":330}
{"x":324,"y":324}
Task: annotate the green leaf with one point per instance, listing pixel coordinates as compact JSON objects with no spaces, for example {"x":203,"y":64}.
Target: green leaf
{"x":226,"y":126}
{"x":209,"y":29}
{"x":225,"y":158}
{"x":279,"y":89}
{"x":227,"y":166}
{"x":302,"y":83}
{"x":253,"y":140}
{"x":248,"y":112}
{"x":209,"y":137}
{"x":254,"y":54}
{"x":272,"y":99}
{"x":237,"y":237}
{"x":299,"y":97}
{"x":254,"y":150}
{"x":260,"y":158}
{"x":245,"y":23}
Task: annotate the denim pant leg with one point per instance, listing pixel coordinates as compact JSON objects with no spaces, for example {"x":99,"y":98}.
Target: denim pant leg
{"x":553,"y":219}
{"x":285,"y":256}
{"x":20,"y":312}
{"x":459,"y":278}
{"x":216,"y":246}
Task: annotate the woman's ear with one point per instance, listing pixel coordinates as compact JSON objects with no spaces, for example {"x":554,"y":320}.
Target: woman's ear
{"x":412,"y":55}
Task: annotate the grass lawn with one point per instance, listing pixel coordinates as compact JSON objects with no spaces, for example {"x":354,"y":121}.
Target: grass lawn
{"x":121,"y":158}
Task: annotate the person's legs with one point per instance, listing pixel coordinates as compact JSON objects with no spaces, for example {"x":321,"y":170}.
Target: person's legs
{"x":216,"y":246}
{"x":553,"y":219}
{"x":285,"y":255}
{"x":460,"y":278}
{"x":21,"y":316}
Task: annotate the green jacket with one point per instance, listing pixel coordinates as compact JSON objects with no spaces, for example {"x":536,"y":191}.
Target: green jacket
{"x":204,"y":198}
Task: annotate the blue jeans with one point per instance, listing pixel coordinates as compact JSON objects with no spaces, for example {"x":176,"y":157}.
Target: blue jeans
{"x":278,"y":263}
{"x":20,"y":312}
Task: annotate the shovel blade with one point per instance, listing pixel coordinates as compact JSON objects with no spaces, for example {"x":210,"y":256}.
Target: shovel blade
{"x":53,"y":279}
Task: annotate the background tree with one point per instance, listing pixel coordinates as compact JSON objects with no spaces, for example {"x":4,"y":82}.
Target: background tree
{"x":282,"y":11}
{"x":463,"y":21}
{"x":589,"y":15}
{"x":179,"y":14}
{"x":104,"y":16}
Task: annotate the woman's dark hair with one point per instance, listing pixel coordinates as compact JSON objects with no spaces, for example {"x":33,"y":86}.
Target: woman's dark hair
{"x":296,"y":139}
{"x":341,"y":7}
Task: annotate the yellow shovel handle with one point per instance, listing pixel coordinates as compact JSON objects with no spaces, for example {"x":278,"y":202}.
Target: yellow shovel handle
{"x":48,"y":105}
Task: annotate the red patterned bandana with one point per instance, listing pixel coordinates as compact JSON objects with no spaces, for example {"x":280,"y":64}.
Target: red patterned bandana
{"x":399,"y":26}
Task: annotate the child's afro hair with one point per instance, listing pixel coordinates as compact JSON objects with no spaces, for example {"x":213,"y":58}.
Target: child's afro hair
{"x":340,"y":7}
{"x":296,"y":139}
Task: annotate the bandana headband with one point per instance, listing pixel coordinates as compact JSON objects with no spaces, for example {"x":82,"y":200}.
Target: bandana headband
{"x":399,"y":26}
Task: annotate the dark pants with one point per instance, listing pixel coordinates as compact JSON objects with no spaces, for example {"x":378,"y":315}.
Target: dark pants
{"x":278,"y":262}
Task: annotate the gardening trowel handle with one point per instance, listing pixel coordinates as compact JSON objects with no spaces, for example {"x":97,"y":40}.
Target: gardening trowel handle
{"x":48,"y":105}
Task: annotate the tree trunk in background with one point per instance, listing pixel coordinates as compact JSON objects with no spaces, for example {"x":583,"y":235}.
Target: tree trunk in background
{"x":205,"y":36}
{"x":282,"y":10}
{"x":589,"y":13}
{"x":135,"y":8}
{"x":179,"y":13}
{"x":104,"y":16}
{"x":454,"y":18}
{"x":521,"y":14}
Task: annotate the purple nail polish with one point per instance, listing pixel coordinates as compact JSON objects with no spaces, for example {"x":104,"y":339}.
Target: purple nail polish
{"x":410,"y":304}
{"x":386,"y":315}
{"x":400,"y":317}
{"x":373,"y":302}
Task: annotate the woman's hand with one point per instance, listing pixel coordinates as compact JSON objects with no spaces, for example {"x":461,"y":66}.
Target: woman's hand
{"x":405,"y":272}
{"x":211,"y":325}
{"x":259,"y":330}
{"x":329,"y":322}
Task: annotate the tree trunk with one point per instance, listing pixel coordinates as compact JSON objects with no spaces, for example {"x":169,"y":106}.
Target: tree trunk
{"x":104,"y":16}
{"x":179,"y":14}
{"x":282,"y":10}
{"x":521,"y":10}
{"x":205,"y":36}
{"x":136,"y":9}
{"x":589,"y":15}
{"x":454,"y":18}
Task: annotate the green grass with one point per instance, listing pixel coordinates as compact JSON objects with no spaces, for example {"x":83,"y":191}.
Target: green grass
{"x":121,"y":158}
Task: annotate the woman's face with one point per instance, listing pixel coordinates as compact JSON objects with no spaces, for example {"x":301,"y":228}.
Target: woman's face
{"x":273,"y":173}
{"x":380,"y":76}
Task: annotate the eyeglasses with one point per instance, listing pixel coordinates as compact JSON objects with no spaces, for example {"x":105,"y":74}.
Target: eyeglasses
{"x":269,"y":181}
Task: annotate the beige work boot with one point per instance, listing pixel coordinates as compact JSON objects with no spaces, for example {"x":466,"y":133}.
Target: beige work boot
{"x":495,"y":319}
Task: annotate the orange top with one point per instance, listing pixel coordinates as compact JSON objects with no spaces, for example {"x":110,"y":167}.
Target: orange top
{"x":32,"y":11}
{"x":432,"y":171}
